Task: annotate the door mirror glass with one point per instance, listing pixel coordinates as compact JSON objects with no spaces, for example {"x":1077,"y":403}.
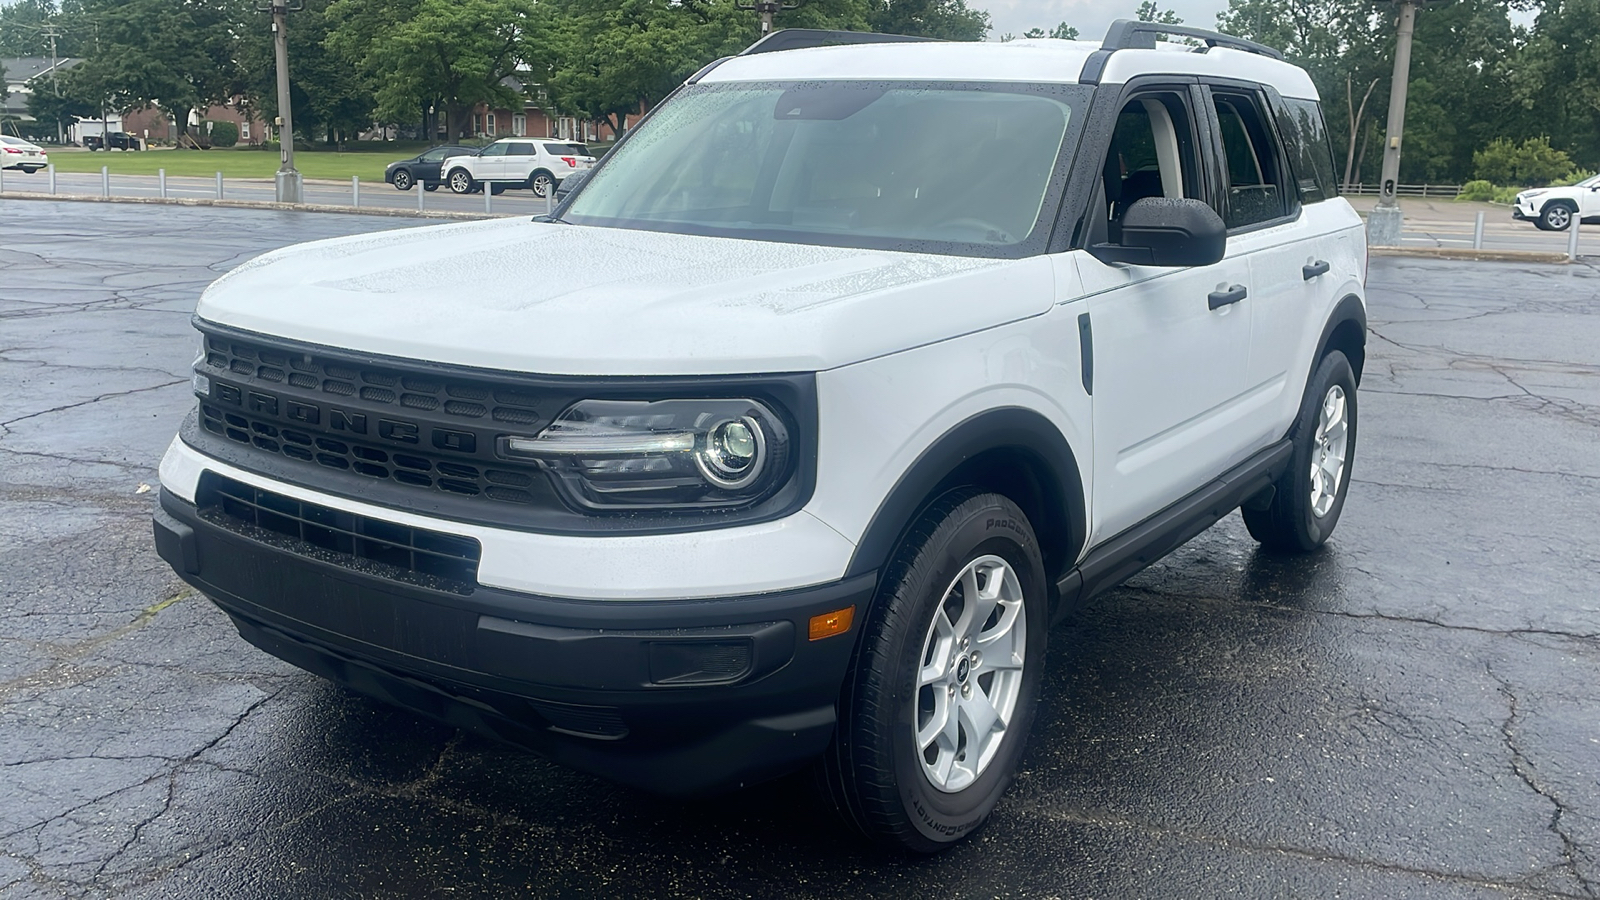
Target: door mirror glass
{"x":1162,"y":231}
{"x":572,"y":183}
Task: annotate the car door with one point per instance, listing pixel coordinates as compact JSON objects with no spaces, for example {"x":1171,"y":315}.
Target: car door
{"x":490,"y":164}
{"x":1589,"y":198}
{"x":1170,"y":345}
{"x":427,"y":167}
{"x":521,"y":159}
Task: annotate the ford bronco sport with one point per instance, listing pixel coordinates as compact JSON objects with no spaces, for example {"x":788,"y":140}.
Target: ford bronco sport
{"x":784,"y":441}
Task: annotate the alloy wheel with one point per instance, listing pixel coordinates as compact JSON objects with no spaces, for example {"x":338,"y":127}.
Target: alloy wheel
{"x":969,"y":674}
{"x":1328,"y":452}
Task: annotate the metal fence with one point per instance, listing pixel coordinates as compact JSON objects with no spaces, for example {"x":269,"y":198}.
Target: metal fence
{"x":1407,"y":190}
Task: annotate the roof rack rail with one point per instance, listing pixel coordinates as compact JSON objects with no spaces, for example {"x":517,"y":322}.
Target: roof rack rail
{"x":802,"y":38}
{"x":1126,"y":34}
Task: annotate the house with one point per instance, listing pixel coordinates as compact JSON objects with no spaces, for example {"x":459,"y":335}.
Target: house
{"x":533,"y":118}
{"x":24,"y":75}
{"x":157,"y":125}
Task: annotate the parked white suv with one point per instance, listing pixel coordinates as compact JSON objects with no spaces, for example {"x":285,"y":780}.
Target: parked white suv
{"x":1555,"y":209}
{"x":743,"y":460}
{"x":538,"y":165}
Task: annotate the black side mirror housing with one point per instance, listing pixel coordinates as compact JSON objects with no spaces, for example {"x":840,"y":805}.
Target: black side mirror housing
{"x":572,"y":183}
{"x":1159,"y":231}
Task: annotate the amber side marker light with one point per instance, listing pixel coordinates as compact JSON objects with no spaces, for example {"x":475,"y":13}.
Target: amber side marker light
{"x":830,"y":624}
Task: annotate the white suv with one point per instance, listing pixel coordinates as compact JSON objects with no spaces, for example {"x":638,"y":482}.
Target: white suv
{"x":744,"y":461}
{"x":538,"y":165}
{"x":1555,"y":209}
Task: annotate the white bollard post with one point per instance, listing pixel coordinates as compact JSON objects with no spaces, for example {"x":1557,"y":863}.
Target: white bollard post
{"x":105,"y":181}
{"x":488,"y":193}
{"x":420,"y":194}
{"x":355,"y":191}
{"x":219,"y":185}
{"x":1477,"y":232}
{"x":1572,"y":240}
{"x":52,"y":171}
{"x":161,"y":182}
{"x":2,"y":181}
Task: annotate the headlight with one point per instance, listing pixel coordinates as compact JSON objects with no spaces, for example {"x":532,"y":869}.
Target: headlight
{"x":663,"y":454}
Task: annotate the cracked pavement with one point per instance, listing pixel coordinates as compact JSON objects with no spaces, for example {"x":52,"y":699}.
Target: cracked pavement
{"x":1411,"y":712}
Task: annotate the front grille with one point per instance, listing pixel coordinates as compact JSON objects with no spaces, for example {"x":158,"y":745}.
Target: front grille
{"x":453,"y":397}
{"x":400,"y":552}
{"x":414,"y":468}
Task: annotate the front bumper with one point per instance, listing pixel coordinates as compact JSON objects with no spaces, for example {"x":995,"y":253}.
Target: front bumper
{"x":594,"y":684}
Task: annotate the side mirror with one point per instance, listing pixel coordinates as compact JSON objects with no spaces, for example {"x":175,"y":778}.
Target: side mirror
{"x":1157,"y":231}
{"x":572,"y":183}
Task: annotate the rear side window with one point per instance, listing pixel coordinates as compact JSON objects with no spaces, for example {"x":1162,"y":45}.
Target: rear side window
{"x":522,"y":150}
{"x":1310,"y":152}
{"x":562,"y":150}
{"x":1250,"y":158}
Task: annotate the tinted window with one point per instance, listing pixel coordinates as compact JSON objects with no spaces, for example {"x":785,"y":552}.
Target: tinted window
{"x":523,"y":150}
{"x":1255,"y":185}
{"x":435,"y":155}
{"x":849,"y":163}
{"x":1306,"y":135}
{"x":564,"y":150}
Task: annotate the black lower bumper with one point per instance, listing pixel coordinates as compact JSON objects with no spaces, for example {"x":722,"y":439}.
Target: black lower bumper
{"x":677,"y":697}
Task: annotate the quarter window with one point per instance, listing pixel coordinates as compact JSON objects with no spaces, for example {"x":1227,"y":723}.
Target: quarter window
{"x":1250,"y":155}
{"x":1306,"y":136}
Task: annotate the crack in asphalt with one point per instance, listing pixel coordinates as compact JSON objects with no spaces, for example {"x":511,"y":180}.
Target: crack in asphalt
{"x":68,"y":656}
{"x":1525,"y":770}
{"x":5,"y":426}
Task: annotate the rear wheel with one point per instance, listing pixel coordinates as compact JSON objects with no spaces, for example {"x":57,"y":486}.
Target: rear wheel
{"x":1308,"y":498}
{"x":497,"y":189}
{"x":402,"y":180}
{"x":1556,"y":217}
{"x":941,"y":693}
{"x":460,"y":182}
{"x":542,"y":183}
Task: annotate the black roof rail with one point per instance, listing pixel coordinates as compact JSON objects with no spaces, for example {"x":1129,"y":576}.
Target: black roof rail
{"x":1126,"y":34}
{"x":802,"y":38}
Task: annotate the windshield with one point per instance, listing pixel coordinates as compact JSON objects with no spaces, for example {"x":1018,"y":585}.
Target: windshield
{"x":936,"y":167}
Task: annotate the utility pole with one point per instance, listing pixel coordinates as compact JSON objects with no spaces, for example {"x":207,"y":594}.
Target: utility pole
{"x":55,"y":80}
{"x":766,"y":9}
{"x":287,"y":180}
{"x":1383,"y":225}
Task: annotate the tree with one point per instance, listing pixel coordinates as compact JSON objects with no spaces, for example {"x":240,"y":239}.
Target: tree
{"x":1064,"y":32}
{"x":417,"y":54}
{"x":950,"y":20}
{"x":329,"y":97}
{"x":1533,"y":163}
{"x":1034,"y":33}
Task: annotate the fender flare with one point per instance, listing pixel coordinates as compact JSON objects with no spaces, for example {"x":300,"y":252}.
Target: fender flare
{"x":1348,"y":310}
{"x":1017,"y":429}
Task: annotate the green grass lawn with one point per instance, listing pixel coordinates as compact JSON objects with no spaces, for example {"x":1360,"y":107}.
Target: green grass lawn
{"x":368,"y":162}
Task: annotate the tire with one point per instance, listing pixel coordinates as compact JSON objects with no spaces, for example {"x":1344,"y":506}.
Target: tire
{"x":496,"y":188}
{"x":1302,"y":511}
{"x":430,"y":186}
{"x":461,"y":182}
{"x":907,"y":670}
{"x":542,"y":183}
{"x":1557,"y":216}
{"x":402,"y":180}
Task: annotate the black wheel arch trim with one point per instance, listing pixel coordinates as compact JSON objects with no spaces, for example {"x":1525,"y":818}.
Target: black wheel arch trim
{"x":1003,"y":429}
{"x":1348,"y":310}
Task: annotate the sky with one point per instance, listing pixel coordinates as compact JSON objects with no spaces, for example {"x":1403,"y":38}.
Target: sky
{"x":1090,"y":17}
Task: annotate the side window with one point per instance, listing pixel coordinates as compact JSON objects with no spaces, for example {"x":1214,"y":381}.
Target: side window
{"x":1306,"y":134}
{"x":494,"y":150}
{"x":523,"y":150}
{"x":1250,"y":156}
{"x":1152,"y":154}
{"x":433,"y":156}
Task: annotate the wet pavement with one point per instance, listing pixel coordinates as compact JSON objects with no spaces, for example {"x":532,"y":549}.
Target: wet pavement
{"x":1412,"y":712}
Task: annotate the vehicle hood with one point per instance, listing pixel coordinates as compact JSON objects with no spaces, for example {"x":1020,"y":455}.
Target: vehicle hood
{"x":518,"y":295}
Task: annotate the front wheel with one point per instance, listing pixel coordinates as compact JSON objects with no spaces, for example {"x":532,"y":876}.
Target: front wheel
{"x":461,"y":183}
{"x":402,"y":180}
{"x":1307,"y":499}
{"x":1556,"y":217}
{"x":941,"y":693}
{"x":430,"y":186}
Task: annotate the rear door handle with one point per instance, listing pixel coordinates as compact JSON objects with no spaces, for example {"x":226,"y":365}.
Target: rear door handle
{"x":1233,"y":294}
{"x":1320,"y":267}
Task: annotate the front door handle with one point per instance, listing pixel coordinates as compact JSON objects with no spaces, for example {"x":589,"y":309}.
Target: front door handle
{"x":1233,"y":294}
{"x":1320,"y":267}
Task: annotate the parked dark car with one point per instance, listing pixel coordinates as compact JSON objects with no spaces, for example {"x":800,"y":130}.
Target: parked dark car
{"x":120,"y":140}
{"x":423,"y":168}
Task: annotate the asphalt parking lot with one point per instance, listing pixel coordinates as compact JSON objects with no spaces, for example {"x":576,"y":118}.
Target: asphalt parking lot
{"x":1411,"y":712}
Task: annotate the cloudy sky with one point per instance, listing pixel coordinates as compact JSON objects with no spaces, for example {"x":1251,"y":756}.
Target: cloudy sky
{"x":1090,"y":17}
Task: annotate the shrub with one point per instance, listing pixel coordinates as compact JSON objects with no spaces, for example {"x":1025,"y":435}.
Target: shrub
{"x":1476,"y":190}
{"x":223,"y":134}
{"x":1533,"y":163}
{"x":1576,"y":176}
{"x":1506,"y":195}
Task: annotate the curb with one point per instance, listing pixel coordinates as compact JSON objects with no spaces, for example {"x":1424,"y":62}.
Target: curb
{"x":1541,"y":256}
{"x":264,"y":204}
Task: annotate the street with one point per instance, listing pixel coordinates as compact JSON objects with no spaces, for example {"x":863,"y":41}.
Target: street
{"x":1413,"y":711}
